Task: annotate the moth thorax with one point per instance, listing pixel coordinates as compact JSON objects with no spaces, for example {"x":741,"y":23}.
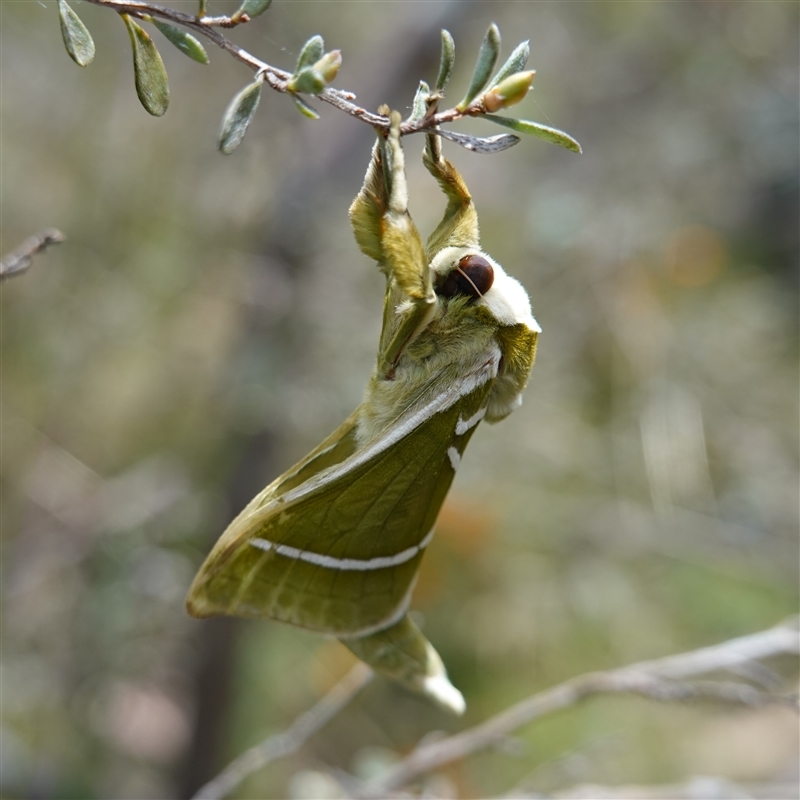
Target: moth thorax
{"x":471,"y":277}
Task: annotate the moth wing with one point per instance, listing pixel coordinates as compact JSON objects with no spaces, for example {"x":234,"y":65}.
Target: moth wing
{"x":339,"y":552}
{"x":335,"y":448}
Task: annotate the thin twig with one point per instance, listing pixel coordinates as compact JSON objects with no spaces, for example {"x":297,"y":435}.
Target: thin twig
{"x":19,"y":259}
{"x":694,"y":788}
{"x":654,"y":679}
{"x":783,"y":638}
{"x":290,"y":740}
{"x":277,"y":78}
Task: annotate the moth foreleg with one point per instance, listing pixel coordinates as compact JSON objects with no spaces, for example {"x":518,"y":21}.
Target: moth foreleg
{"x":404,"y":256}
{"x":410,"y":291}
{"x":367,"y":210}
{"x":459,"y":225}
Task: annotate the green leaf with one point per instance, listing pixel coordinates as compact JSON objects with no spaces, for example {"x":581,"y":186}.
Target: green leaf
{"x":202,"y":7}
{"x":77,"y":39}
{"x":253,"y":8}
{"x":238,"y":116}
{"x":304,"y":108}
{"x":312,"y":51}
{"x":487,"y":58}
{"x":447,"y":61}
{"x":535,"y":129}
{"x":148,"y":69}
{"x":420,"y":106}
{"x":186,"y":43}
{"x":516,"y":63}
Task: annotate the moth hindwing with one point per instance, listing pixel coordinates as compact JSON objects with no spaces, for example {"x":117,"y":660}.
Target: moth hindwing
{"x":334,"y":544}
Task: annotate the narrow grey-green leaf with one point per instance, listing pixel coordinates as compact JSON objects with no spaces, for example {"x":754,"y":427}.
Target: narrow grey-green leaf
{"x":447,"y":61}
{"x":77,"y":39}
{"x":536,"y":129}
{"x":238,"y":116}
{"x":253,"y":8}
{"x":148,"y":70}
{"x":487,"y":58}
{"x":420,"y":106}
{"x":185,"y":42}
{"x":480,"y":144}
{"x":304,"y":108}
{"x":516,"y":63}
{"x":312,"y":51}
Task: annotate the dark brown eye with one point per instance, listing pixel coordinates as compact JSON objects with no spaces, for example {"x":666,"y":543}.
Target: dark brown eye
{"x":472,"y":277}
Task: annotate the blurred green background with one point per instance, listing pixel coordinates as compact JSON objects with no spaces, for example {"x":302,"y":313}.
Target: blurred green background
{"x":210,"y":319}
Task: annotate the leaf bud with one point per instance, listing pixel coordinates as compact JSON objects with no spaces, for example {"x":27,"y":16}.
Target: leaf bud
{"x":328,"y":65}
{"x":307,"y":81}
{"x":508,"y":92}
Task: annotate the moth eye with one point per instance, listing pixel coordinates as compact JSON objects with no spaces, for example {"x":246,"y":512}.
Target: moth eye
{"x":472,"y":277}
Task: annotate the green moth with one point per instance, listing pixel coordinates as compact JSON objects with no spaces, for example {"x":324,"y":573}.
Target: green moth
{"x":334,"y":544}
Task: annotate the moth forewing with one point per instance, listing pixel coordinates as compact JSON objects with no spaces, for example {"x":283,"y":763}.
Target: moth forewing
{"x":332,"y":450}
{"x":338,"y":552}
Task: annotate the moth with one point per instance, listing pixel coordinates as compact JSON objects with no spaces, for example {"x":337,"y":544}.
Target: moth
{"x":334,"y":544}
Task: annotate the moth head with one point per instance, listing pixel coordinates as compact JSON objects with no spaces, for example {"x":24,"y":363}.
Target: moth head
{"x":471,"y":274}
{"x":471,"y":277}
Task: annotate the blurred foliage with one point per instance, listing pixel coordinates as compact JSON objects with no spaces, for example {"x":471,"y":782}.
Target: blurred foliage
{"x":209,"y":320}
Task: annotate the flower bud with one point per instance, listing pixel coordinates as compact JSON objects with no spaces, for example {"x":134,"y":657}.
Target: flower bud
{"x":508,"y":92}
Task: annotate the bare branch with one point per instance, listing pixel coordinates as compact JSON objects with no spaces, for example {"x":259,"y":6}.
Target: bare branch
{"x":18,"y":260}
{"x":694,"y":789}
{"x":290,"y":740}
{"x":654,"y":679}
{"x":742,"y":651}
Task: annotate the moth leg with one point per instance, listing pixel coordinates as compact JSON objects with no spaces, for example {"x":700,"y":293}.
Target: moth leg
{"x":403,"y":653}
{"x":367,"y":210}
{"x":459,"y":225}
{"x":410,"y":292}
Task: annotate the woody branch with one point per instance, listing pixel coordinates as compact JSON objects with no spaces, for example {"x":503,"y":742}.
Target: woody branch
{"x":276,"y":78}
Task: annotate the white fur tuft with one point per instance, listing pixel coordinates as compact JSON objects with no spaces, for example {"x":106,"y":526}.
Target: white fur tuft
{"x":507,"y":299}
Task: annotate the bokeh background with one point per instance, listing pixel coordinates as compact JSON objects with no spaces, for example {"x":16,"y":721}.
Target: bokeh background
{"x":210,"y":319}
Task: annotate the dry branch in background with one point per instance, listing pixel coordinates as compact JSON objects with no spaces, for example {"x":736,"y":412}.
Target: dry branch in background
{"x":660,"y":679}
{"x":18,"y":260}
{"x":698,"y":788}
{"x":291,"y":740}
